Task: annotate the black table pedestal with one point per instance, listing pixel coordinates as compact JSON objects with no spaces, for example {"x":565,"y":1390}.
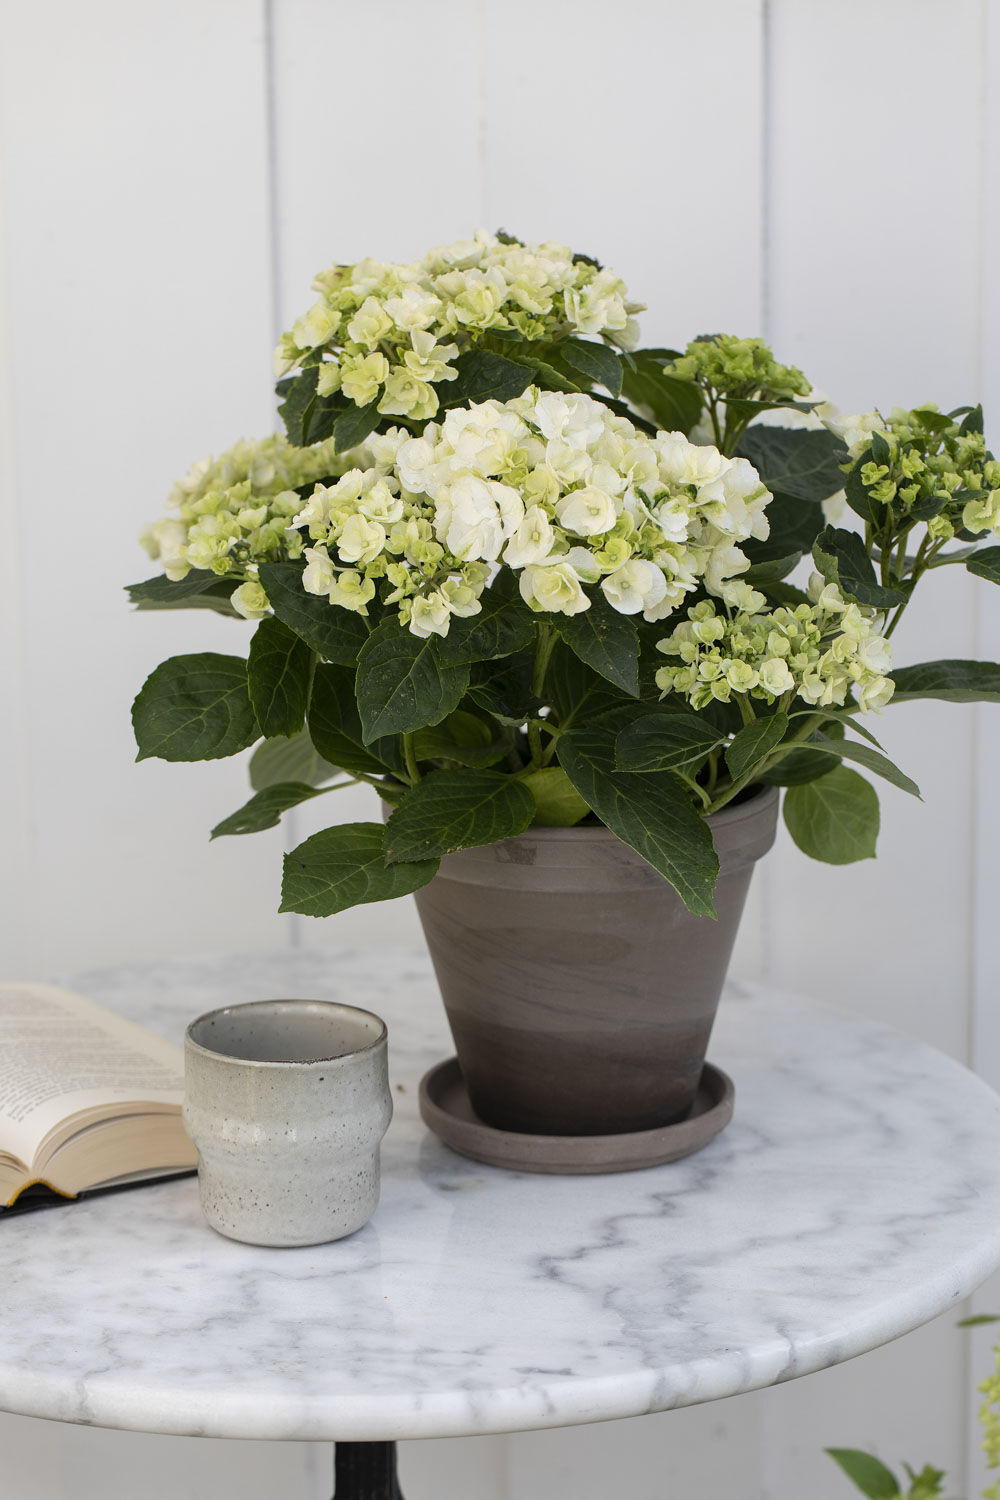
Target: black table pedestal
{"x":365,"y":1471}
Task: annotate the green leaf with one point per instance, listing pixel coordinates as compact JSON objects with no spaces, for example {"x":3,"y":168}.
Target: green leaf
{"x":335,"y":726}
{"x":835,"y":818}
{"x":278,"y":673}
{"x":952,"y":681}
{"x":795,"y":525}
{"x":483,"y":376}
{"x":676,"y":405}
{"x":762,"y":574}
{"x":504,"y":625}
{"x":404,"y":683}
{"x":754,"y":742}
{"x":799,"y":462}
{"x":297,"y":407}
{"x":195,"y":708}
{"x":867,"y":1472}
{"x":665,"y":741}
{"x":337,"y":634}
{"x":354,"y":424}
{"x":605,"y":640}
{"x":865,"y":756}
{"x":977,"y":1320}
{"x":986,"y":564}
{"x":265,"y":808}
{"x":294,"y":759}
{"x":345,"y":866}
{"x":652,"y":814}
{"x":973,"y":421}
{"x":450,"y":810}
{"x":503,"y":688}
{"x":461,"y":738}
{"x":597,"y":362}
{"x":198,"y":590}
{"x":842,"y":558}
{"x":558,"y":804}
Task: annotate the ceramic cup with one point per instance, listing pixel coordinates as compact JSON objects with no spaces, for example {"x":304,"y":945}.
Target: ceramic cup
{"x":287,"y":1102}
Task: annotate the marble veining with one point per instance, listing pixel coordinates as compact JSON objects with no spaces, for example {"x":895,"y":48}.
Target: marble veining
{"x":855,"y":1195}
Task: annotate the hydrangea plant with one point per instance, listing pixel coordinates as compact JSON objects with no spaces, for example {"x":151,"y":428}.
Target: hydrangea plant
{"x":511,"y":569}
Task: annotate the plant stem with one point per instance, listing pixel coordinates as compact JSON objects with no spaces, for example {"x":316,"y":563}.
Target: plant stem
{"x":410,"y":759}
{"x":545,"y":641}
{"x":733,"y":790}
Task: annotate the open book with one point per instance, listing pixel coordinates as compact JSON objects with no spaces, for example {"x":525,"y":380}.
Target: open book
{"x":87,"y":1099}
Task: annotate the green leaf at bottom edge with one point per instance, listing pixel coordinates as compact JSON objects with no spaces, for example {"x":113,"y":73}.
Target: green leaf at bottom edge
{"x":343,"y":867}
{"x":867,"y":1472}
{"x":264,"y":809}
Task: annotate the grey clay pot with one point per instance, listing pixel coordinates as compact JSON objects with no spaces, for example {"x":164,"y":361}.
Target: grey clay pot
{"x":580,"y":990}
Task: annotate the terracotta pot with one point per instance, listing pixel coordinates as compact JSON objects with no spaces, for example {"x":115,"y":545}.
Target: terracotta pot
{"x":580,"y":990}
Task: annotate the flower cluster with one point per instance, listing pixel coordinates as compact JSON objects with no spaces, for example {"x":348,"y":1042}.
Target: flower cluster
{"x":390,"y":333}
{"x":739,"y":368}
{"x":926,"y":463}
{"x":557,"y":487}
{"x":818,"y":651}
{"x":234,"y":512}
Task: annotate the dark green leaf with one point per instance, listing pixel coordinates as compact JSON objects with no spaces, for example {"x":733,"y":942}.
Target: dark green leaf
{"x":799,"y":462}
{"x":296,"y":409}
{"x":973,"y":422}
{"x":763,"y":574}
{"x":403,"y":682}
{"x":652,"y":814}
{"x":199,"y":590}
{"x":676,"y":405}
{"x":345,"y":866}
{"x":335,"y":727}
{"x":462,"y":738}
{"x":665,"y":741}
{"x":835,"y":818}
{"x":600,"y":364}
{"x":265,"y":808}
{"x":504,"y":625}
{"x":278,"y":672}
{"x":354,"y":424}
{"x":986,"y":564}
{"x":795,"y":525}
{"x":754,"y":743}
{"x":867,"y":1472}
{"x":483,"y":376}
{"x":337,"y":634}
{"x":606,"y":640}
{"x":503,"y":688}
{"x":195,"y":708}
{"x":864,"y":755}
{"x":450,"y":810}
{"x":952,"y":681}
{"x":842,"y":558}
{"x":294,"y":759}
{"x":574,"y":690}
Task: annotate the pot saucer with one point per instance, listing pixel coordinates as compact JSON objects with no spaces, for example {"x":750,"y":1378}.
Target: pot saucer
{"x":445,"y":1109}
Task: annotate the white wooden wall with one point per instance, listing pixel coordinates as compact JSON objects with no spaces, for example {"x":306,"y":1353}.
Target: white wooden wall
{"x":822,"y":171}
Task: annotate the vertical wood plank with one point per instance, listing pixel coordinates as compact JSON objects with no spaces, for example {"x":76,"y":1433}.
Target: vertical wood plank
{"x":873,"y":278}
{"x":138,"y":254}
{"x":985,"y":1051}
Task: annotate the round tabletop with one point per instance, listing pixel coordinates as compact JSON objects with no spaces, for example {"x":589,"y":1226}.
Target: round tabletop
{"x":855,"y":1195}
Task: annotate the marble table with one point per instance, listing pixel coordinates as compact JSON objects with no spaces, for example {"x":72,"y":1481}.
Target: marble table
{"x":855,"y":1196}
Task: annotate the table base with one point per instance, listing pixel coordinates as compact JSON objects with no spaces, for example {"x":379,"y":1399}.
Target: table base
{"x":365,"y":1471}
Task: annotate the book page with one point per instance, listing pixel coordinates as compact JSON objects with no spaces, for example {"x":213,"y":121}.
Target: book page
{"x":60,"y":1053}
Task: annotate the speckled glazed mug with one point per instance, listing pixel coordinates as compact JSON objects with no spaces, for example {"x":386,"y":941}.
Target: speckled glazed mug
{"x":287,"y":1102}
